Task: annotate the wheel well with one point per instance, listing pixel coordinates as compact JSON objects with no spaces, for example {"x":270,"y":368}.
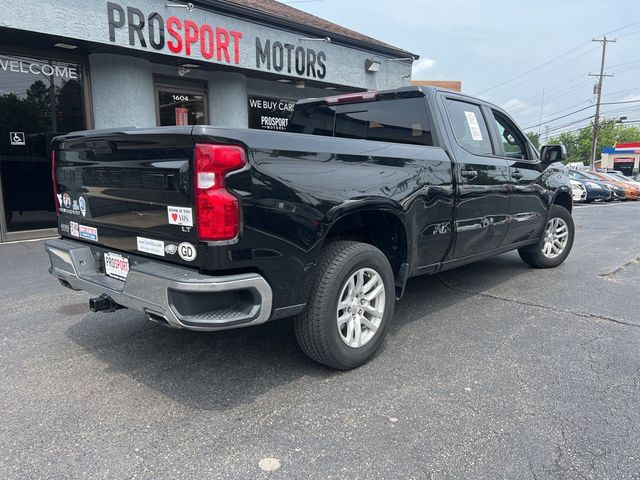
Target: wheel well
{"x":381,"y":229}
{"x":564,"y":200}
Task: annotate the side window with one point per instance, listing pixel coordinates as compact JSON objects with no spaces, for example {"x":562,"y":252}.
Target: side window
{"x":514,"y":144}
{"x":352,"y":124}
{"x":312,"y":120}
{"x":395,"y":121}
{"x":469,"y":127}
{"x":400,"y":121}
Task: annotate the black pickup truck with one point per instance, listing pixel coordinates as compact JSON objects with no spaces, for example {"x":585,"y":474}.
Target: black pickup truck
{"x":209,"y":228}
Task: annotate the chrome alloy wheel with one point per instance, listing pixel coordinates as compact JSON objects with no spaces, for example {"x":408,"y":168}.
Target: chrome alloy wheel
{"x":556,"y":238}
{"x":361,"y":307}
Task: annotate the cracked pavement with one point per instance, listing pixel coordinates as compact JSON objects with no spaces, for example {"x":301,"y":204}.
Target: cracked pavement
{"x":493,"y":370}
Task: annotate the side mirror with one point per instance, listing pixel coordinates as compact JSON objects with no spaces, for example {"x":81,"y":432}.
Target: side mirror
{"x":553,"y":153}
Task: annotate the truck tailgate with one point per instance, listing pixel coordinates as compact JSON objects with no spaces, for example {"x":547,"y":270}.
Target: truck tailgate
{"x":131,"y":192}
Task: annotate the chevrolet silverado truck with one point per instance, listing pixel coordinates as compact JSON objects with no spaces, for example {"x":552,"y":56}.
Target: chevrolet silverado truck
{"x":207,"y":228}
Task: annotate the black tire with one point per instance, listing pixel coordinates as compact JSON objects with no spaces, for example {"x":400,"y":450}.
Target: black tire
{"x":534,"y":255}
{"x":317,"y":329}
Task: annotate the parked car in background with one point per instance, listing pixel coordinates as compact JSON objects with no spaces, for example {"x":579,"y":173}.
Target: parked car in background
{"x":578,"y":191}
{"x":631,"y":191}
{"x":623,"y":178}
{"x":597,"y":189}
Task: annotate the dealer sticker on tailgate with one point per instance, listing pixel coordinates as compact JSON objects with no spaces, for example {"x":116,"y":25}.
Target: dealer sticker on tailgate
{"x":116,"y":266}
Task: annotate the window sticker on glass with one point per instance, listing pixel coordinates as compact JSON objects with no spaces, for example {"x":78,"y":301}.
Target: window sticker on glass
{"x":474,"y":127}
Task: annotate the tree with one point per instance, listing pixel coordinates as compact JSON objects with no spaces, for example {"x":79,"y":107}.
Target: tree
{"x":578,"y":143}
{"x":535,"y":139}
{"x":40,"y":94}
{"x":70,"y":109}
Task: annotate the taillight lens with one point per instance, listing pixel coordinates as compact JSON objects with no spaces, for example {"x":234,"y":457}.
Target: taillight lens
{"x":217,"y":210}
{"x":55,"y":183}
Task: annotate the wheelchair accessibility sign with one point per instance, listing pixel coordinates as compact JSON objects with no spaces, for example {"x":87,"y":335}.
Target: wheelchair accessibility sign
{"x":17,"y":138}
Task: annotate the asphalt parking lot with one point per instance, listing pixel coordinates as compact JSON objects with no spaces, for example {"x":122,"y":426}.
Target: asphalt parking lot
{"x":494,"y":370}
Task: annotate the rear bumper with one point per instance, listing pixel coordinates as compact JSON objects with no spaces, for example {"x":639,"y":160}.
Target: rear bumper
{"x":179,"y":297}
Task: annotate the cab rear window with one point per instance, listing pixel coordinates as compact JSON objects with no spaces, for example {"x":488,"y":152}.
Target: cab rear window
{"x":394,"y":120}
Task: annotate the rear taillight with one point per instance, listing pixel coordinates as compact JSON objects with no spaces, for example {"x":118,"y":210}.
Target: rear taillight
{"x":56,"y":202}
{"x":217,"y":210}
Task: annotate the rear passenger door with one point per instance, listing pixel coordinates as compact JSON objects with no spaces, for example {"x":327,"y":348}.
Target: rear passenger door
{"x":483,"y":182}
{"x":527,"y":208}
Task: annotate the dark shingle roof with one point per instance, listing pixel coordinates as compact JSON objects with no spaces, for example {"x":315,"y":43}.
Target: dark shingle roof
{"x":279,"y":13}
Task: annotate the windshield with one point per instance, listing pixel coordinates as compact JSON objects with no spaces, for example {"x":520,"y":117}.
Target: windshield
{"x":590,"y":176}
{"x":617,"y":176}
{"x":611,"y":177}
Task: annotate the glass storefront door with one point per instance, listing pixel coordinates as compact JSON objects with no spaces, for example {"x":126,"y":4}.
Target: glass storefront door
{"x":181,"y":103}
{"x":39,"y":99}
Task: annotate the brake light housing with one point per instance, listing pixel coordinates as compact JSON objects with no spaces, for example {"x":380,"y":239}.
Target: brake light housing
{"x":352,"y":98}
{"x":217,"y":209}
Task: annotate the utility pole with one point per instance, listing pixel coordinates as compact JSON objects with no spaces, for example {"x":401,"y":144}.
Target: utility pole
{"x":546,"y":135}
{"x":541,"y":110}
{"x":598,"y":91}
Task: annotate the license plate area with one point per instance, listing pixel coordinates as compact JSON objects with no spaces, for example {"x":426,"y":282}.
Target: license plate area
{"x":116,"y":266}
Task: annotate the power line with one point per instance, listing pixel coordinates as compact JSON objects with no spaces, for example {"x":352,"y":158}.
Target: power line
{"x":569,"y":52}
{"x":573,"y":130}
{"x":556,"y":95}
{"x":627,"y":34}
{"x":625,"y":63}
{"x":553,"y":70}
{"x":551,"y":97}
{"x":578,"y":111}
{"x":623,"y":28}
{"x":620,"y":92}
{"x":561,"y":117}
{"x":560,"y":127}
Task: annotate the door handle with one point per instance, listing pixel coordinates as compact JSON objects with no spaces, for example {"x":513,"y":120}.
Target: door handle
{"x":517,"y":175}
{"x":468,"y":173}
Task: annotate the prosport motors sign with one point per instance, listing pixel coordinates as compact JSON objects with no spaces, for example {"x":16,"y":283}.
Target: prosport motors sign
{"x":180,"y":36}
{"x":212,"y":38}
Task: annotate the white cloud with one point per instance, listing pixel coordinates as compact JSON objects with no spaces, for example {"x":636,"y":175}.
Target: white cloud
{"x":421,"y":67}
{"x":515,"y":104}
{"x":632,"y":98}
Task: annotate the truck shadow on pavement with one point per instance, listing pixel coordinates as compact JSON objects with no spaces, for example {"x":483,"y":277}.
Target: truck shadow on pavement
{"x":226,"y":369}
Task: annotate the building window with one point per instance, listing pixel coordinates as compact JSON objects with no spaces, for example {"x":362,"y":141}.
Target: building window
{"x":181,"y":103}
{"x":40,"y":98}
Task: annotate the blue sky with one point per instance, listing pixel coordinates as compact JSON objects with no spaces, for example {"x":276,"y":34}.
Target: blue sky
{"x":487,"y":43}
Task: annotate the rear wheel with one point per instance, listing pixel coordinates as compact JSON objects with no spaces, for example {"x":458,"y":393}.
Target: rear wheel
{"x":556,"y":242}
{"x":350,"y":307}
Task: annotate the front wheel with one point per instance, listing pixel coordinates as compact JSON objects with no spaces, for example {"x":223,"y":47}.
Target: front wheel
{"x":350,"y":307}
{"x":556,"y":242}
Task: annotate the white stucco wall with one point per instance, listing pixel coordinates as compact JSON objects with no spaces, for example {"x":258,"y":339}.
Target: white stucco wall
{"x":122,"y":91}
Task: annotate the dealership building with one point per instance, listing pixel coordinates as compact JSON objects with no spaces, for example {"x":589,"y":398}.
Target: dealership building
{"x":624,"y":157}
{"x":72,"y":65}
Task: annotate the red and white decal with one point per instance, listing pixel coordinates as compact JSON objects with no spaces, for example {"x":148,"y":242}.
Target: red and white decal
{"x":182,"y":216}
